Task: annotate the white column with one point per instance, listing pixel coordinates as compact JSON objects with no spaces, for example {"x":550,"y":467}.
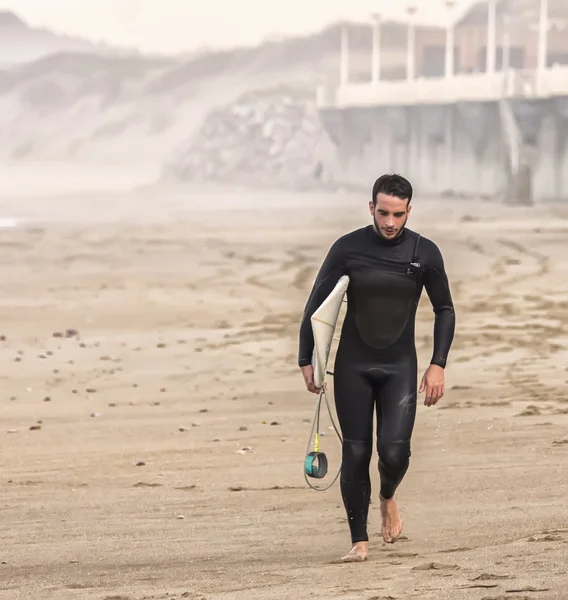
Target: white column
{"x":450,"y":41}
{"x":506,"y":43}
{"x":491,"y":36}
{"x":411,"y":46}
{"x":344,"y":58}
{"x":543,"y":36}
{"x":376,"y":63}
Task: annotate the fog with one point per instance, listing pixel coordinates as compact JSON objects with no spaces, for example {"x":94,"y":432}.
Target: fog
{"x":166,"y":202}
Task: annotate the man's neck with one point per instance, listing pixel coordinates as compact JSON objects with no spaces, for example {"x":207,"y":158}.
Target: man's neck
{"x":382,"y":238}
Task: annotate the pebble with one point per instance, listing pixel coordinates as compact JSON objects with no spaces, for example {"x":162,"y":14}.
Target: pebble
{"x":180,"y":517}
{"x":12,"y":431}
{"x":91,"y":390}
{"x":183,"y":429}
{"x":95,"y":414}
{"x":35,"y":427}
{"x":140,"y":464}
{"x":204,"y":410}
{"x":243,"y":428}
{"x":47,"y":399}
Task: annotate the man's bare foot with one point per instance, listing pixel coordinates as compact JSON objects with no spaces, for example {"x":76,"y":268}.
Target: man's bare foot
{"x":391,"y":521}
{"x":358,"y":553}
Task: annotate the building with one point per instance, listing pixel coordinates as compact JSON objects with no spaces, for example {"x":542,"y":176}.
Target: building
{"x":516,"y":38}
{"x":481,"y":106}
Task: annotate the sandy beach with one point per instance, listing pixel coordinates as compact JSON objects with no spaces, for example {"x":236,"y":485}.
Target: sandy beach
{"x":154,"y":421}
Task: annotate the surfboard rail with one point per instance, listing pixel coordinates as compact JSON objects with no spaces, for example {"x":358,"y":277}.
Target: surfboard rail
{"x":324,"y":322}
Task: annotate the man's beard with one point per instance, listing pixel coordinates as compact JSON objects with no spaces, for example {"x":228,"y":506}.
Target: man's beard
{"x":378,"y":229}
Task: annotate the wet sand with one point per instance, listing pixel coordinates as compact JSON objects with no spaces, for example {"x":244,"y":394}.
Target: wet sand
{"x":173,"y":420}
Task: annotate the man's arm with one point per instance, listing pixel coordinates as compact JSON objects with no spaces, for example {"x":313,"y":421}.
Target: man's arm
{"x":438,"y":289}
{"x":332,"y":268}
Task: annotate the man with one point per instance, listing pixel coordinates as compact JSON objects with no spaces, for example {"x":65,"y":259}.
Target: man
{"x":376,"y":363}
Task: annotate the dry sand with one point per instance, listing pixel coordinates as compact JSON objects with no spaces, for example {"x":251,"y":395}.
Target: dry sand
{"x":187,"y":322}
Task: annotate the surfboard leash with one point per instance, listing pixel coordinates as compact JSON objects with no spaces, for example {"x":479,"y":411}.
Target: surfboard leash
{"x":316,"y":464}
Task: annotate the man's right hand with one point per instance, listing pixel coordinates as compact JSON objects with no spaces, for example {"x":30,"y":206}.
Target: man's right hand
{"x":308,"y":373}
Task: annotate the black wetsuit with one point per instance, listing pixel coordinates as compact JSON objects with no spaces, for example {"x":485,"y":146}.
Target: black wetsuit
{"x":376,"y":359}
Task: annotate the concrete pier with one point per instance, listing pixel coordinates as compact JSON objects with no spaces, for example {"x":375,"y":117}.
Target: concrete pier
{"x":468,"y":135}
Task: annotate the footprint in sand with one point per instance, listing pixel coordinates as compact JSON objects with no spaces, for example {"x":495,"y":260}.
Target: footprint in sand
{"x":460,"y":549}
{"x":529,"y":588}
{"x":434,"y":566}
{"x":546,"y":537}
{"x":502,"y":597}
{"x":490,"y":577}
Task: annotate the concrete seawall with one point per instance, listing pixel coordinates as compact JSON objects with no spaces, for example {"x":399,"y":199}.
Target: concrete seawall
{"x":495,"y":149}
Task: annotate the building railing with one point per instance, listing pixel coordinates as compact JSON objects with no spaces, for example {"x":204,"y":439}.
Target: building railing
{"x":448,"y":90}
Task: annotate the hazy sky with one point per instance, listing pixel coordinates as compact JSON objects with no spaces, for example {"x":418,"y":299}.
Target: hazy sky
{"x":170,"y":26}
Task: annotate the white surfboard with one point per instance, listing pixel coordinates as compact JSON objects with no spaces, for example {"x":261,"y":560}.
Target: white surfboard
{"x":324,"y":321}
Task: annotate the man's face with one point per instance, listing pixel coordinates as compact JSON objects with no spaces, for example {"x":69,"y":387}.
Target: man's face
{"x":389,"y":214}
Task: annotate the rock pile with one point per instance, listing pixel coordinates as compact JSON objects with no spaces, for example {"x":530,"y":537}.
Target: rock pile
{"x":262,"y":138}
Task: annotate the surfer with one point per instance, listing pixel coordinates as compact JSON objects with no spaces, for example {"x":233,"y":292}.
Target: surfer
{"x":376,"y":363}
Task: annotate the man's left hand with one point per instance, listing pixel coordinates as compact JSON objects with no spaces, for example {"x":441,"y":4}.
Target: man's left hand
{"x":433,"y":384}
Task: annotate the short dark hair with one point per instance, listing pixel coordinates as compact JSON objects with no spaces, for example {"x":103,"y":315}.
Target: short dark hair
{"x":393,"y":185}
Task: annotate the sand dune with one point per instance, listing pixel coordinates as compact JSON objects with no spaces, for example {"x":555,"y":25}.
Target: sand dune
{"x":154,"y":421}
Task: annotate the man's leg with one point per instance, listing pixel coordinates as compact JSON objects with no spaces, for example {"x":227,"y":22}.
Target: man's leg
{"x":396,"y":412}
{"x":355,"y":405}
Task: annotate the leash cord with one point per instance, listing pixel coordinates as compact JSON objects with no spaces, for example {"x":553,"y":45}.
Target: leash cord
{"x":315,"y":425}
